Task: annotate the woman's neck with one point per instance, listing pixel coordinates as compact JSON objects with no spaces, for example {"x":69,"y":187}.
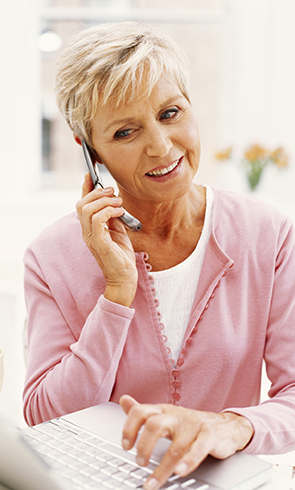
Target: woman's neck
{"x":171,"y":231}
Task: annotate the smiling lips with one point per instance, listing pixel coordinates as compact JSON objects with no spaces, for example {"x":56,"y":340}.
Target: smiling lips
{"x":163,"y":171}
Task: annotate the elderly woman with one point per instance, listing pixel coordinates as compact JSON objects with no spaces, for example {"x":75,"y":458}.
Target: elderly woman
{"x":172,"y":321}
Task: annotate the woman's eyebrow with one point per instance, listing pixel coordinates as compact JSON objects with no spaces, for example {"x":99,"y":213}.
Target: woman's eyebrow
{"x":130,"y":119}
{"x":118,"y":122}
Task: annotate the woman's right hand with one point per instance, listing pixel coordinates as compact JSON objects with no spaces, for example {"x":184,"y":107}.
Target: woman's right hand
{"x":108,"y":241}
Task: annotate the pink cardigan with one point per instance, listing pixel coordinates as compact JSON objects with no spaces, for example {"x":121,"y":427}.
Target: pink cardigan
{"x":85,"y":350}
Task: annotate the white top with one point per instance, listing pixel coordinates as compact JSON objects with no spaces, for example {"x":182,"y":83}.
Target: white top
{"x":176,"y":287}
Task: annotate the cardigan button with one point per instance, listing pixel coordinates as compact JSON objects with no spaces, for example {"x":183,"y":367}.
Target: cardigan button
{"x":176,"y":397}
{"x":180,"y":362}
{"x":176,"y":384}
{"x":175,"y":373}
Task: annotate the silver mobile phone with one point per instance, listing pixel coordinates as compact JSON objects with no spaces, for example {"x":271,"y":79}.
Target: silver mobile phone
{"x":129,"y":220}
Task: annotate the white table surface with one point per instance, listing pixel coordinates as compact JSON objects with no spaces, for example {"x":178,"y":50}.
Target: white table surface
{"x":283,"y":477}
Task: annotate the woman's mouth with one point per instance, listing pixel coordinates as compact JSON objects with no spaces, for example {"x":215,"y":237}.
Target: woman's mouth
{"x":163,"y":171}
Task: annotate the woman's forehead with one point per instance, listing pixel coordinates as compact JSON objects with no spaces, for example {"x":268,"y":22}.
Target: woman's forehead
{"x":164,"y":92}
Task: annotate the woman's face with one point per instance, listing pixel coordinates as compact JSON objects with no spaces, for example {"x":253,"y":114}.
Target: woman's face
{"x":151,"y":147}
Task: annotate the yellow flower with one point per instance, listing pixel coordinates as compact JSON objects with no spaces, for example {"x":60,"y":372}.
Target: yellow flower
{"x":280,"y":157}
{"x":224,"y":154}
{"x":254,"y":159}
{"x":254,"y":153}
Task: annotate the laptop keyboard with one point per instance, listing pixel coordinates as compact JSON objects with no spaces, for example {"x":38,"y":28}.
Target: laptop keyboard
{"x":85,"y":461}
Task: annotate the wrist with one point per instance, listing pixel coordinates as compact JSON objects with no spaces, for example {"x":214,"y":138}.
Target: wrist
{"x":243,"y":428}
{"x":123,"y":295}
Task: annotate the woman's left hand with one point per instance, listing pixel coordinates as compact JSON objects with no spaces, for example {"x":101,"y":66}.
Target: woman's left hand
{"x":194,"y":436}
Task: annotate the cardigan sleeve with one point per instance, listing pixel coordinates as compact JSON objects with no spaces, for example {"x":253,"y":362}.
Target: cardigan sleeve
{"x":66,"y":374}
{"x":274,"y":419}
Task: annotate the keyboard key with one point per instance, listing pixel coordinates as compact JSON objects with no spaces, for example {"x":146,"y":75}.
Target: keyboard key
{"x":80,"y":479}
{"x":100,"y":477}
{"x":141,"y":473}
{"x":98,"y":465}
{"x":115,"y":462}
{"x":48,"y":428}
{"x":171,"y":486}
{"x":103,"y":456}
{"x":88,"y":459}
{"x":119,"y":476}
{"x":188,"y":483}
{"x":68,"y":472}
{"x":108,"y":484}
{"x":108,"y":470}
{"x":121,"y":486}
{"x":199,"y":486}
{"x":127,"y":468}
{"x":64,"y":435}
{"x":88,"y":471}
{"x":132,"y":482}
{"x":90,"y":485}
{"x":93,"y":451}
{"x":95,"y":441}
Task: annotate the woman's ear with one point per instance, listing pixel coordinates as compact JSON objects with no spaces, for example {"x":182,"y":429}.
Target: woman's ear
{"x":95,"y":157}
{"x":77,"y":139}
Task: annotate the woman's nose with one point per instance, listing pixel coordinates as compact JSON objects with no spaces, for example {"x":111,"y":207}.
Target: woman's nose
{"x":158,"y":142}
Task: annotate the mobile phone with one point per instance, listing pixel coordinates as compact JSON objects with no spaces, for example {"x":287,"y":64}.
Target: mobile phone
{"x":128,"y":220}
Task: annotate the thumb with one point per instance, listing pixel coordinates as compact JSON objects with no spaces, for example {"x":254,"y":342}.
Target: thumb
{"x":127,"y":402}
{"x":87,"y":185}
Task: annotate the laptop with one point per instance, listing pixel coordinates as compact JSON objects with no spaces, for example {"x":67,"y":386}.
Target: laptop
{"x":82,"y":451}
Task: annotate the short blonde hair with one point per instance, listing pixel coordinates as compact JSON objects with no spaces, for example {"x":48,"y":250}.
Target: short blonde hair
{"x":108,"y":62}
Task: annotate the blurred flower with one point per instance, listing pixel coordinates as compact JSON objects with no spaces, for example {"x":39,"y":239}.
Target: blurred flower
{"x":280,"y":158}
{"x":254,"y":159}
{"x":224,"y":154}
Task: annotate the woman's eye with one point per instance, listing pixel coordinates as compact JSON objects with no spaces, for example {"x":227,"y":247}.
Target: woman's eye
{"x":123,"y":133}
{"x":169,"y":114}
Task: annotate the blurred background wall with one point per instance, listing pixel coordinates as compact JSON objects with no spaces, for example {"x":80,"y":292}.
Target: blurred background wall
{"x":241,"y":55}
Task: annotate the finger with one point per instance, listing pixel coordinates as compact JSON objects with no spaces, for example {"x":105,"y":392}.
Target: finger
{"x":137,"y":416}
{"x":100,"y":220}
{"x":127,"y":402}
{"x":156,"y":426}
{"x":92,"y":195}
{"x":173,"y":457}
{"x":195,"y":455}
{"x":99,"y":211}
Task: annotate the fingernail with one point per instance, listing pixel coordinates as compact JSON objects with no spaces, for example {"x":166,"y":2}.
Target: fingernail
{"x":106,"y":189}
{"x":140,"y":461}
{"x":151,"y":484}
{"x":181,"y":468}
{"x":117,"y":200}
{"x":126,"y":444}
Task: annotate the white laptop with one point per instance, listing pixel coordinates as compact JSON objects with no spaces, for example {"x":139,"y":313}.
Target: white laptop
{"x":82,"y":451}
